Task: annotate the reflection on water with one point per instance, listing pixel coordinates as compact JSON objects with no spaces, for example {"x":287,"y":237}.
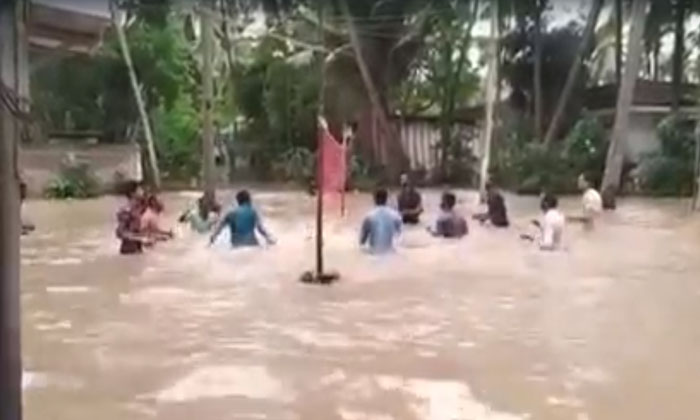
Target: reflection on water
{"x":484,"y":328}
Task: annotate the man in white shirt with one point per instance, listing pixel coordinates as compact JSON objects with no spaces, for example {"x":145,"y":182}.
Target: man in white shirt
{"x":552,"y":224}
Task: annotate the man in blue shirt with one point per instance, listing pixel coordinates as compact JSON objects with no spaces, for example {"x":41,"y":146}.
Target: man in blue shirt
{"x":243,"y":222}
{"x":380,"y":226}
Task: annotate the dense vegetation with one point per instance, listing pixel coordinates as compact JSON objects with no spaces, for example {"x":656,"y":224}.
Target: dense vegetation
{"x":377,"y":58}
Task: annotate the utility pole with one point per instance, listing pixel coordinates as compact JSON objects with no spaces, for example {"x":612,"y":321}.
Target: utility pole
{"x":11,"y":79}
{"x":208,"y":164}
{"x":140,"y":103}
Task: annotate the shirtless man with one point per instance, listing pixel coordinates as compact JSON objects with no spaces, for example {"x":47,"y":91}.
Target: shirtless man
{"x":449,"y":224}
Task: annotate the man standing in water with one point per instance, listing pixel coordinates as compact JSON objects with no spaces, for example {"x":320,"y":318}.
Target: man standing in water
{"x":591,"y":203}
{"x":497,"y":214}
{"x":243,"y":222}
{"x":410,"y":202}
{"x":204,"y":216}
{"x":380,"y":226}
{"x":129,"y":220}
{"x":27,"y":227}
{"x":449,"y":224}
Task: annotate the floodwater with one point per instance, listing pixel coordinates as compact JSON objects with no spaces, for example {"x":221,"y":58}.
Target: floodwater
{"x":487,"y":328}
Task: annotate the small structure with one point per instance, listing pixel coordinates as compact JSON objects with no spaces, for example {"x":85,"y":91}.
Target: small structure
{"x":650,"y":105}
{"x":420,"y":138}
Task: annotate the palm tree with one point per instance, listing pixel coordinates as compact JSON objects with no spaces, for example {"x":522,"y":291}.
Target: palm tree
{"x":583,"y":48}
{"x":614,"y":161}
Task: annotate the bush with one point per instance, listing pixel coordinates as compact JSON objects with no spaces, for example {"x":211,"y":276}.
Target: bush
{"x":669,"y":172}
{"x":530,"y":167}
{"x":74,"y":181}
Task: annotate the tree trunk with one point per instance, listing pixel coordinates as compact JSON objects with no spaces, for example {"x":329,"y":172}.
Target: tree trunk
{"x":491,"y":90}
{"x":619,"y":21}
{"x":208,"y":163}
{"x":10,"y":325}
{"x":614,"y":161}
{"x":140,"y":103}
{"x":537,"y":82}
{"x":678,"y":54}
{"x":574,"y":71}
{"x":398,"y":157}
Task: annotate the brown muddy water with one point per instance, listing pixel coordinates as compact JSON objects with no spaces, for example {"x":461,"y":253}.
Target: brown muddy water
{"x":485,"y":328}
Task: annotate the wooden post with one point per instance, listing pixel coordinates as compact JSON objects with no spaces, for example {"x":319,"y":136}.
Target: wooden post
{"x":208,"y":164}
{"x":10,"y":327}
{"x":140,"y":103}
{"x":491,"y":89}
{"x":696,"y":168}
{"x":319,"y":155}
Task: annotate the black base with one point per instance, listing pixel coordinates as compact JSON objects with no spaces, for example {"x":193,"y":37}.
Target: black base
{"x":324,"y":278}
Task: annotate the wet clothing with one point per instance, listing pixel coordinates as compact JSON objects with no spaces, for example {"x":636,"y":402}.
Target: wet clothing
{"x":243,"y":222}
{"x":552,"y":230}
{"x":129,"y":225}
{"x":450,"y":225}
{"x":408,"y":201}
{"x":379,"y":229}
{"x":198,"y":223}
{"x":592,"y":203}
{"x":497,"y":213}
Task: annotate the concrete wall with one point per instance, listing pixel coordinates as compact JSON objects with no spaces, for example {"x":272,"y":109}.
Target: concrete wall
{"x":41,"y":164}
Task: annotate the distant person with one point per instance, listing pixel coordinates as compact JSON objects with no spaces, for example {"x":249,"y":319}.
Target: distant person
{"x":243,"y":223}
{"x":27,"y":227}
{"x":496,"y":214}
{"x":204,"y":216}
{"x":380,"y":226}
{"x":151,"y":220}
{"x":551,"y":227}
{"x":129,"y":220}
{"x":591,"y":203}
{"x":410,"y":202}
{"x":449,"y":224}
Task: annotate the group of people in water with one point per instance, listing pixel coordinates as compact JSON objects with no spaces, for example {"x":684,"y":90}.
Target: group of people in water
{"x":138,"y":221}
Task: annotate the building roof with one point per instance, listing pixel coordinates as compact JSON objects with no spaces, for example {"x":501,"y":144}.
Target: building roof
{"x":646,"y":94}
{"x":73,"y":25}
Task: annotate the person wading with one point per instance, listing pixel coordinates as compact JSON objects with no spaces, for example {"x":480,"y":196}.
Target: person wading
{"x":381,"y":226}
{"x":410,"y":202}
{"x":449,"y":224}
{"x":243,"y":223}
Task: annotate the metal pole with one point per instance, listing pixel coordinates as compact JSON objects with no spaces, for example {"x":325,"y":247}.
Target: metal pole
{"x":10,"y":347}
{"x":320,"y":157}
{"x":140,"y":102}
{"x":208,"y":164}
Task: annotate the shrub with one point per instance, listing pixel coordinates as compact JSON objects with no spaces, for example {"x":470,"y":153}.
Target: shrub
{"x":530,"y":167}
{"x":74,"y":181}
{"x":670,"y":170}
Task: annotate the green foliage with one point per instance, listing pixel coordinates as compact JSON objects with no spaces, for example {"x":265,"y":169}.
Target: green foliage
{"x":74,"y":181}
{"x":176,"y":130}
{"x":530,"y":167}
{"x":278,"y":99}
{"x":669,"y":172}
{"x":298,"y":165}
